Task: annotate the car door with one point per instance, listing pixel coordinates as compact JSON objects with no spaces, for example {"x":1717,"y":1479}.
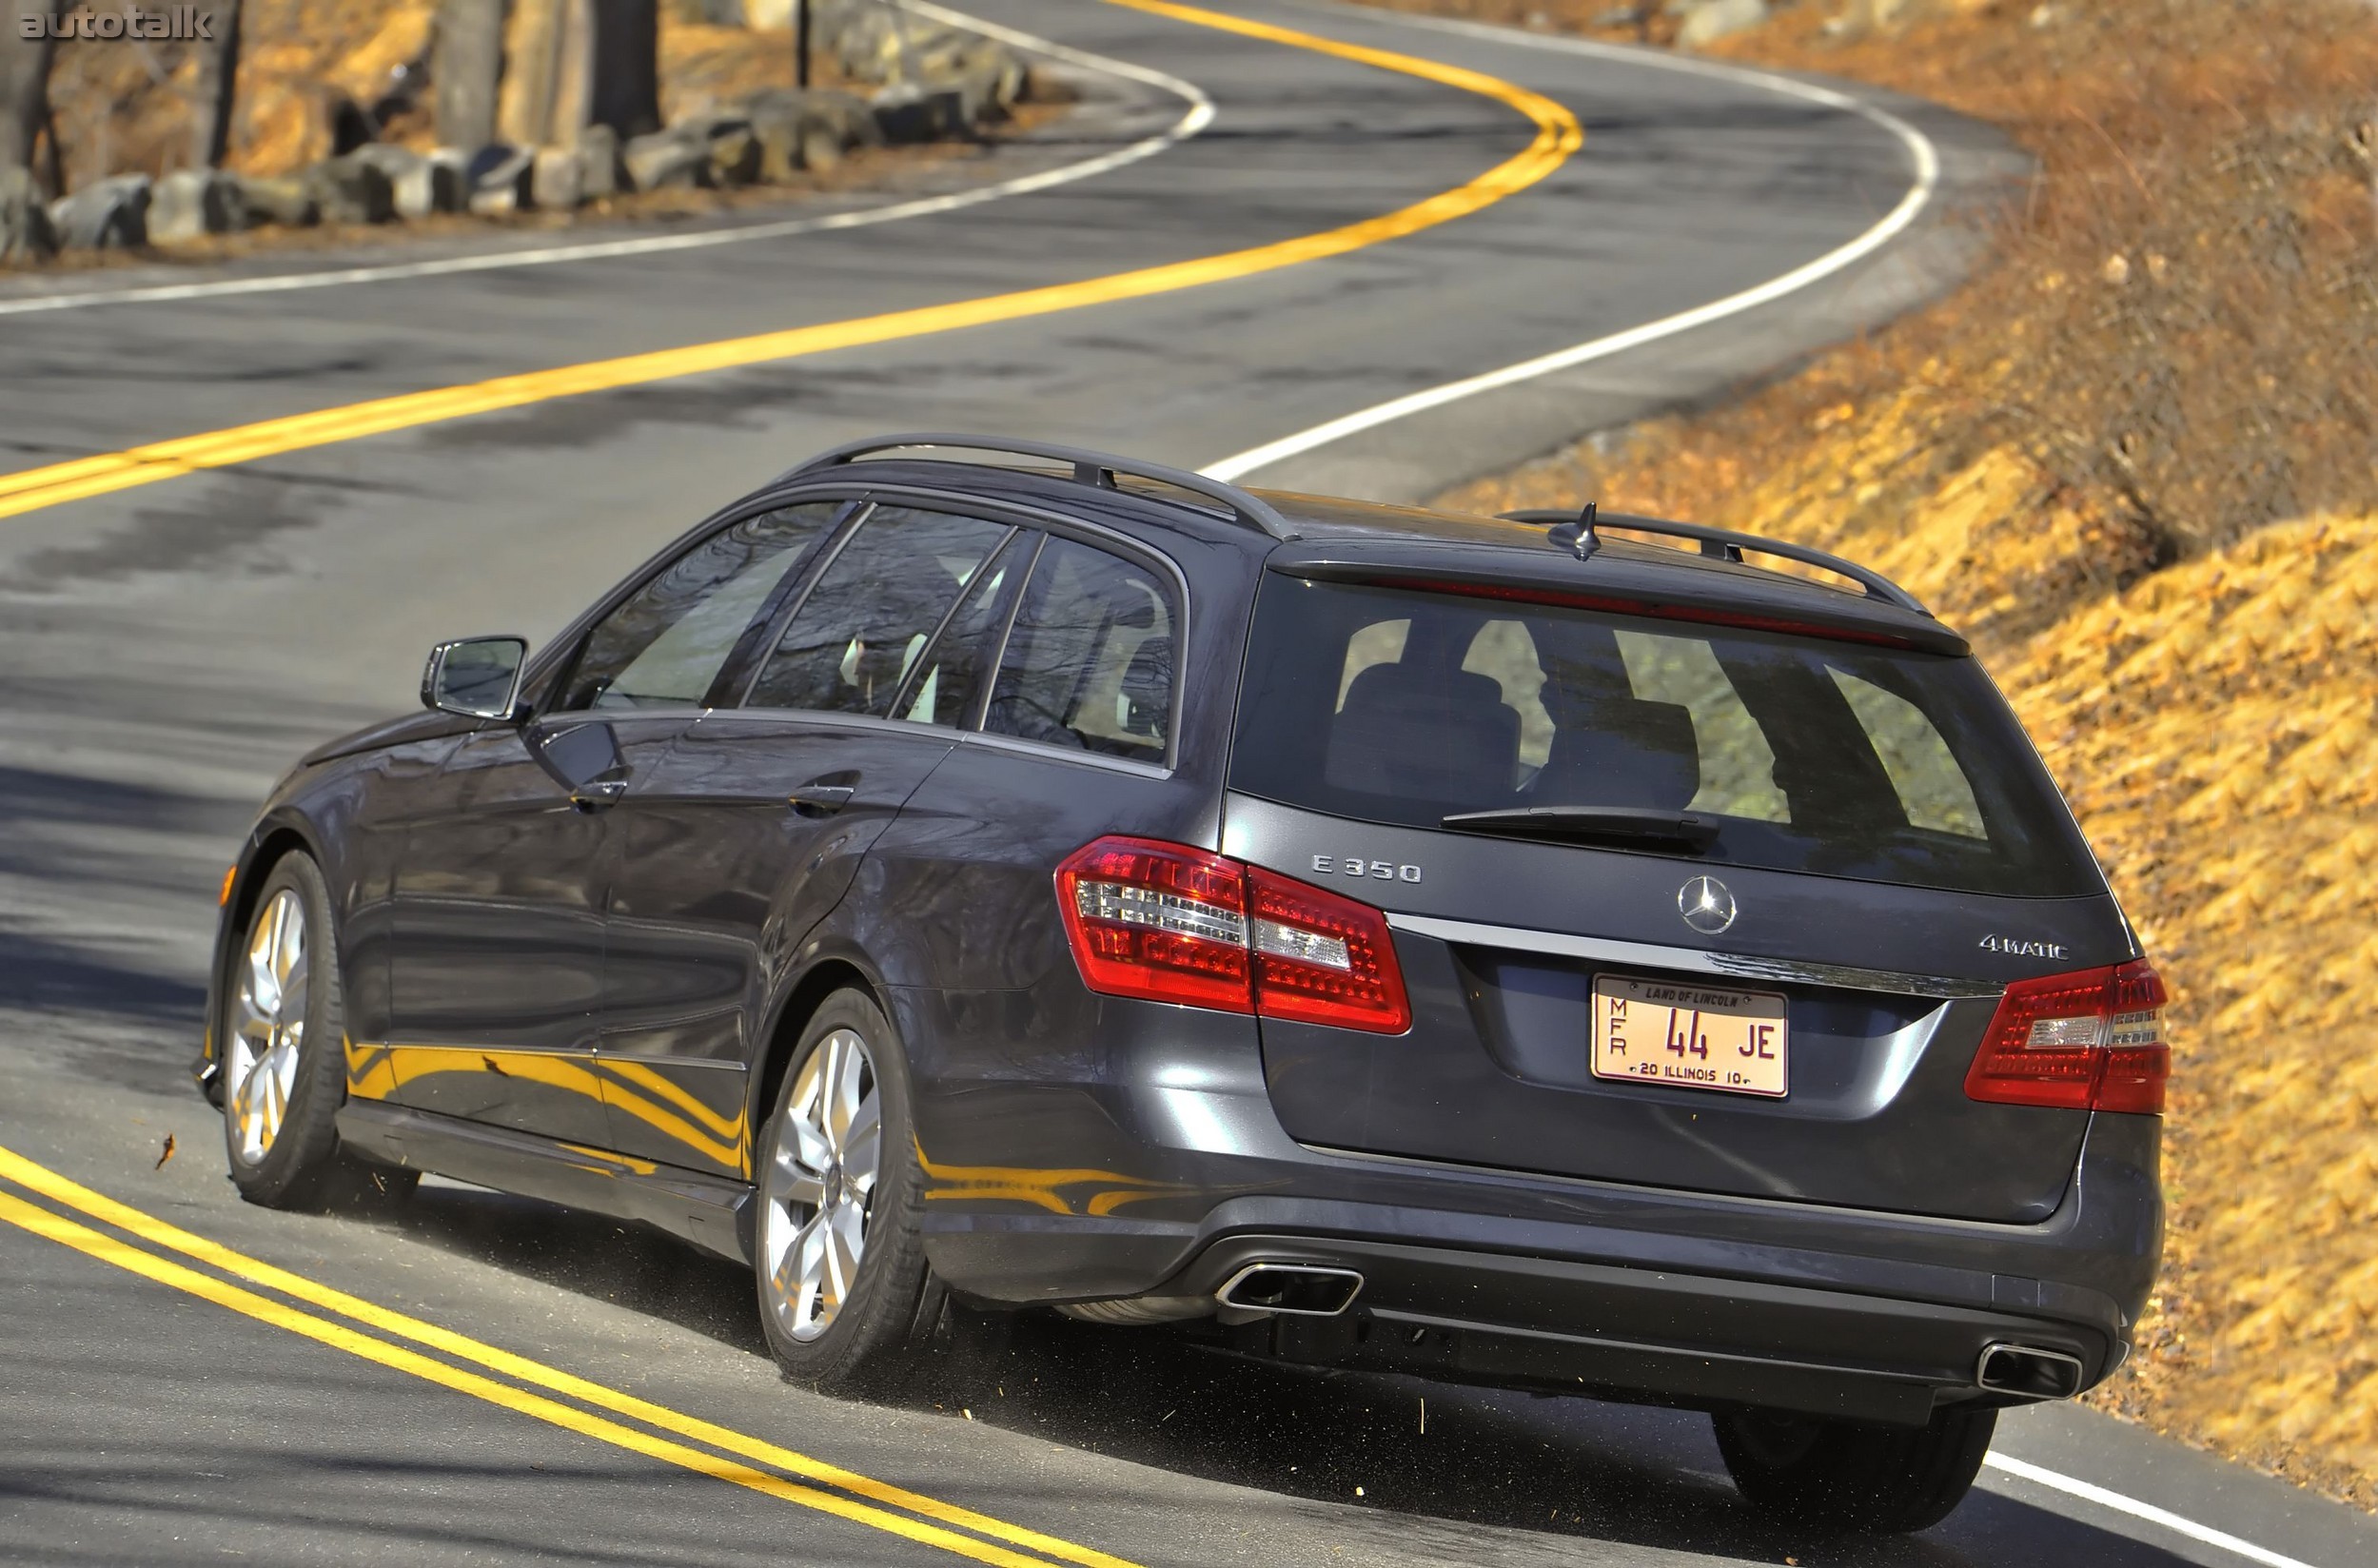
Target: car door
{"x":755,"y":824}
{"x":495,"y":963}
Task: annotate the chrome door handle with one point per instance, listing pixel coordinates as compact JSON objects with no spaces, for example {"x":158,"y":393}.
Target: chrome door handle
{"x":820,"y":800}
{"x":598,"y":794}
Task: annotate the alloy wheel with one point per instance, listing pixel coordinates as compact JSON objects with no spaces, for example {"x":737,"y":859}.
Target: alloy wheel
{"x":268,"y":1028}
{"x":819,"y":1183}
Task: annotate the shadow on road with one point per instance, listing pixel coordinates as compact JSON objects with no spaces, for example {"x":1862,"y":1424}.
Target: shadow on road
{"x":1420,"y":1452}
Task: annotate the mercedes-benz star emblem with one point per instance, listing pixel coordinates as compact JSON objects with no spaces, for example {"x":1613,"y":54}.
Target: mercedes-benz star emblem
{"x":1705,"y":904}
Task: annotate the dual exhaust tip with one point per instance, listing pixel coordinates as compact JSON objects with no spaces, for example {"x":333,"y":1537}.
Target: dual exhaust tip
{"x":2029,"y":1371}
{"x":1290,"y":1290}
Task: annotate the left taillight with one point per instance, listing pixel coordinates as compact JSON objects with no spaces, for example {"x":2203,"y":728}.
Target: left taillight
{"x":2092,"y":1040}
{"x":1169,"y":923}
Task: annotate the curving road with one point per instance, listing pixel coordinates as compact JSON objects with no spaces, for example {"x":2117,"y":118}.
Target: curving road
{"x":170,"y":639}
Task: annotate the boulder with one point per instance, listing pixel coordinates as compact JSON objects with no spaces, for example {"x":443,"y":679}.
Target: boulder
{"x":419,"y":184}
{"x":25,"y":232}
{"x":600,"y":174}
{"x":192,"y":201}
{"x":734,"y":152}
{"x":666,"y":160}
{"x":281,"y":199}
{"x":351,"y":189}
{"x":105,"y":215}
{"x":850,"y":118}
{"x":500,"y":180}
{"x":558,"y":183}
{"x":907,"y":112}
{"x":1715,"y":19}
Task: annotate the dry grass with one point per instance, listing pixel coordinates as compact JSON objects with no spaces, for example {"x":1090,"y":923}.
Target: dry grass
{"x":2138,"y":459}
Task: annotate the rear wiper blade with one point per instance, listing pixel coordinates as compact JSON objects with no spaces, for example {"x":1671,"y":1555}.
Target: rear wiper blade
{"x":1618,"y":824}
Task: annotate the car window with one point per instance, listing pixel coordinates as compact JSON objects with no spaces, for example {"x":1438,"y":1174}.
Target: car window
{"x":1089,"y":661}
{"x":665,"y":644}
{"x":1810,"y":755}
{"x":851,"y":645}
{"x":944,"y":687}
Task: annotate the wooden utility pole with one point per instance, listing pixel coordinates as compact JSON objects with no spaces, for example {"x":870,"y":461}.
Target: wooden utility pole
{"x":466,"y":70}
{"x":24,"y":81}
{"x":800,"y":43}
{"x":218,"y":80}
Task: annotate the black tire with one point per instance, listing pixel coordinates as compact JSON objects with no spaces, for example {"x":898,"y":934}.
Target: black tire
{"x":1843,"y":1479}
{"x":892,"y":1314}
{"x":295,"y":1161}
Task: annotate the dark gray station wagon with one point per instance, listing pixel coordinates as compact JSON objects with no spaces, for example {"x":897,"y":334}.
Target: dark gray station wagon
{"x":1496,"y":950}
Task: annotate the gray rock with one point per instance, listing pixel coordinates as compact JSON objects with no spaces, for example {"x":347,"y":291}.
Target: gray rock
{"x":351,"y":189}
{"x":734,"y":152}
{"x":25,"y":232}
{"x":419,"y":184}
{"x":1715,"y":19}
{"x":281,"y":199}
{"x":105,"y":215}
{"x":558,"y":183}
{"x":850,"y":117}
{"x":666,"y":160}
{"x":500,"y":180}
{"x":599,"y":173}
{"x":191,"y":202}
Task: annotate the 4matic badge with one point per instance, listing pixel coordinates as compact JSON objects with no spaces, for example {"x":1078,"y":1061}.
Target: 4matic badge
{"x":2017,"y":948}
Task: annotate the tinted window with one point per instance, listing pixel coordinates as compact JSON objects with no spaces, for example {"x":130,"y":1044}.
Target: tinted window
{"x":1406,"y":707}
{"x":853,"y":640}
{"x":944,"y":687}
{"x":1089,"y":661}
{"x":666,"y":643}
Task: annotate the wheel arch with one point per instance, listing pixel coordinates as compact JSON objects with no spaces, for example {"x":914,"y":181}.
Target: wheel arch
{"x":828,"y":973}
{"x":271,"y":842}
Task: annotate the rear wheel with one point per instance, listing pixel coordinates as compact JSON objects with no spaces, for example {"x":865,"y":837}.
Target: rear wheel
{"x":282,"y":1035}
{"x":845,"y":1295}
{"x":1839,"y":1476}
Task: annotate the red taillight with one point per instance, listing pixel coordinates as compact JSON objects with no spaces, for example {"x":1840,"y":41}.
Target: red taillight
{"x":1323,"y":958}
{"x":2087,"y":1041}
{"x":1168,"y":923}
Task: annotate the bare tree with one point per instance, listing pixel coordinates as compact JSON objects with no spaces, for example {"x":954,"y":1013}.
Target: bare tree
{"x":218,"y":78}
{"x":24,"y":80}
{"x":465,"y":71}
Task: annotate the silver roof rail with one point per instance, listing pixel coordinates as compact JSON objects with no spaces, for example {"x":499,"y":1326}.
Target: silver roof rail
{"x":1719,"y":543}
{"x":1092,"y":468}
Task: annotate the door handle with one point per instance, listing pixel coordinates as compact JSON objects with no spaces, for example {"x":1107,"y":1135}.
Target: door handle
{"x":598,"y":794}
{"x":819,"y":799}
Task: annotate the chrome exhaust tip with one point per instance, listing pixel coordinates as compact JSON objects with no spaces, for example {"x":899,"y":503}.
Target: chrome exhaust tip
{"x":1291,"y":1290}
{"x":2029,"y":1371}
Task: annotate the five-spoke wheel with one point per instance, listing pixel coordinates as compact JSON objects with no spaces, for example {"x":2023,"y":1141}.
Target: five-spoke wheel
{"x":818,"y":1183}
{"x":268,"y":1003}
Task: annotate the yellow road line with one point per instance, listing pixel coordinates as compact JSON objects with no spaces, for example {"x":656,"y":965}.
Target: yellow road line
{"x":1557,"y":134}
{"x":71,"y":1194}
{"x":108,"y":1250}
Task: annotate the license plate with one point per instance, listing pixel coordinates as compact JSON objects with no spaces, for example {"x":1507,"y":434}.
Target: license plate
{"x":1655,"y":1031}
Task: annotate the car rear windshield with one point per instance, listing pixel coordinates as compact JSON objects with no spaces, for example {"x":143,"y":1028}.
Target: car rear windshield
{"x":1400,"y":706}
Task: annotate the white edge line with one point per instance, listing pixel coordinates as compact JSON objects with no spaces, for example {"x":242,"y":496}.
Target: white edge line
{"x":1199,"y":115}
{"x":1919,"y":194}
{"x":2147,"y":1511}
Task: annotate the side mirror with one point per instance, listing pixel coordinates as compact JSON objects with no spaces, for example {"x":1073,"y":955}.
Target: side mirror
{"x":478,"y":677}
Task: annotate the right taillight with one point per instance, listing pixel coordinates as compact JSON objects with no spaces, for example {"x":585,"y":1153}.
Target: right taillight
{"x":1169,"y":923}
{"x":2087,"y":1041}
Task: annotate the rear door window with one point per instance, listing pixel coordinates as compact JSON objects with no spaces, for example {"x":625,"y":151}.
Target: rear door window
{"x":1088,"y":664}
{"x":851,"y":646}
{"x":1405,"y":707}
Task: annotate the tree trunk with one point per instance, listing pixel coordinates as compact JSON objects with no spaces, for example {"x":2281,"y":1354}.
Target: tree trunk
{"x":24,"y":80}
{"x":534,"y":41}
{"x":218,"y":79}
{"x":466,"y":70}
{"x":624,"y":66}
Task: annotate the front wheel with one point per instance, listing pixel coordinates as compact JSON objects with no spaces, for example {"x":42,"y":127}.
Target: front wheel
{"x":845,"y":1296}
{"x":1835,"y":1476}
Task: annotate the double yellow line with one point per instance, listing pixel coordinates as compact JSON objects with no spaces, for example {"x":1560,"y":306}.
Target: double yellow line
{"x":366,"y":1330}
{"x":1558,"y":135}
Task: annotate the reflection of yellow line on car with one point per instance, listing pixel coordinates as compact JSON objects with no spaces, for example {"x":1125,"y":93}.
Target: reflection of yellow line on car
{"x":1557,"y":134}
{"x":1024,"y":1185}
{"x":645,"y":1078}
{"x":880,"y":1497}
{"x":372,"y":1072}
{"x":410,"y":1065}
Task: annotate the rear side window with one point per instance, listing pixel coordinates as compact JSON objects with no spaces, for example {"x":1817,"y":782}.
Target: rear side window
{"x":851,"y":645}
{"x":1088,"y":664}
{"x":1405,"y":707}
{"x":667,"y":641}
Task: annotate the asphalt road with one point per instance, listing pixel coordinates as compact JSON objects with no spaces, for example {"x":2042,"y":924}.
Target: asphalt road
{"x":166,"y":649}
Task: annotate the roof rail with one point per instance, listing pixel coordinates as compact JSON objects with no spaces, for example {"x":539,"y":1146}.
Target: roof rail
{"x":1722,"y":544}
{"x":1092,"y":468}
